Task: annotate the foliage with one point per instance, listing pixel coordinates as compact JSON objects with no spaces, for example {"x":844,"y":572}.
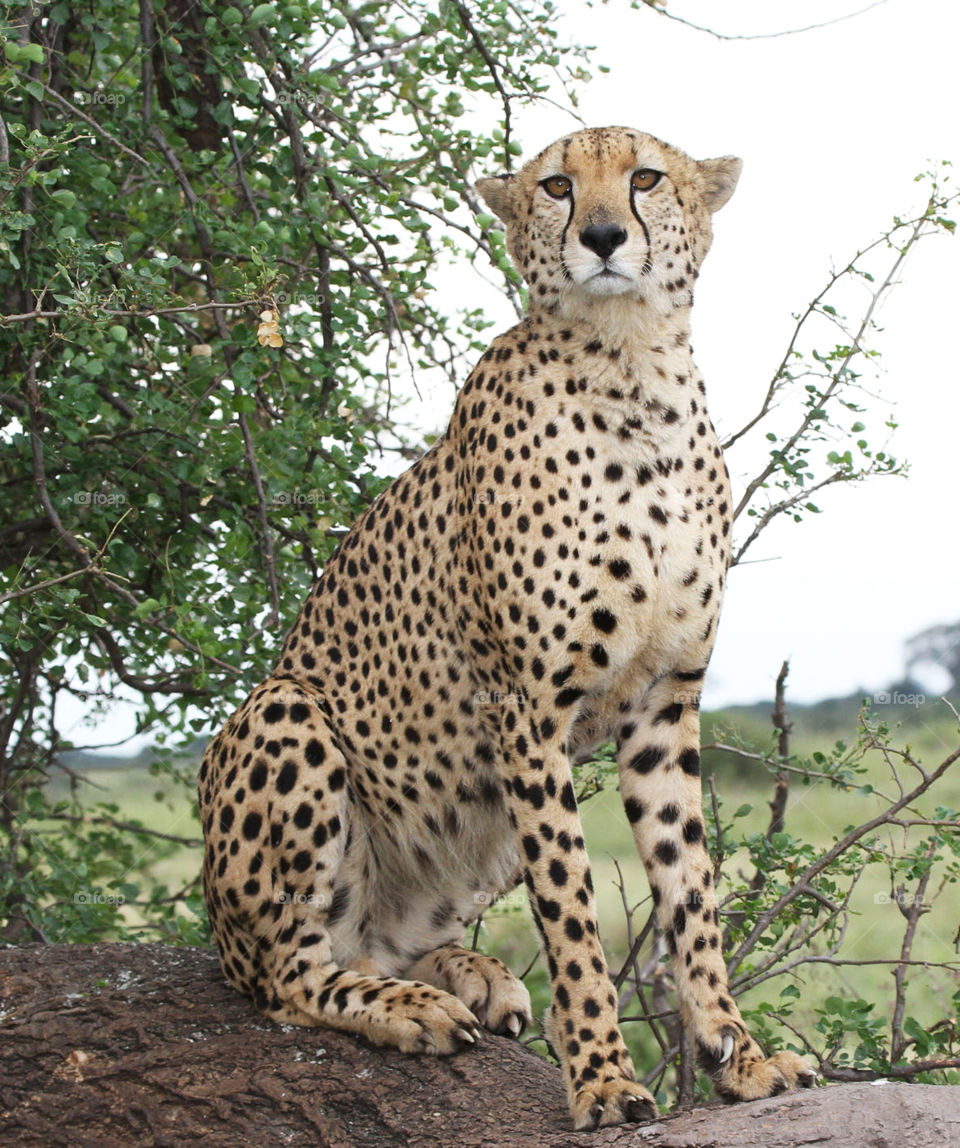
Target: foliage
{"x":803,"y":921}
{"x":169,"y":179}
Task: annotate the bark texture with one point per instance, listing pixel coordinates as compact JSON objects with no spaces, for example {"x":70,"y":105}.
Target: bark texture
{"x":115,"y":1045}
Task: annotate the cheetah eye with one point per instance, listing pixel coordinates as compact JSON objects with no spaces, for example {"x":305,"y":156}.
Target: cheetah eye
{"x":556,"y":186}
{"x":645,"y":179}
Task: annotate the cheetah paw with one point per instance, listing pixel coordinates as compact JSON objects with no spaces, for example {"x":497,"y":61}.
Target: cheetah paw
{"x":741,"y":1072}
{"x":613,"y":1102}
{"x":485,"y":985}
{"x":495,"y":995}
{"x":434,"y":1025}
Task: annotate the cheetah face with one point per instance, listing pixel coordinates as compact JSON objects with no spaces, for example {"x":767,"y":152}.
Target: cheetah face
{"x":610,"y":212}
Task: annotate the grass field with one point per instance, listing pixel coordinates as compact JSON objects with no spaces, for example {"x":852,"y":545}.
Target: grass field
{"x":816,"y":812}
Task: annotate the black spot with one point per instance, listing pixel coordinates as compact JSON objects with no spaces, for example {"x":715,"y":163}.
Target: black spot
{"x":252,"y":824}
{"x":287,"y":777}
{"x":548,"y":909}
{"x":314,"y":752}
{"x":669,"y":814}
{"x":648,"y":758}
{"x":558,"y":872}
{"x":274,"y":712}
{"x":605,"y":621}
{"x":635,"y":809}
{"x":690,"y":762}
{"x":670,"y":714}
{"x":573,"y":929}
{"x":666,"y":853}
{"x":693,"y":830}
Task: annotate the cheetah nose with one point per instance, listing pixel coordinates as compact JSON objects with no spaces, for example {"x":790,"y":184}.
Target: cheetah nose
{"x":603,"y":238}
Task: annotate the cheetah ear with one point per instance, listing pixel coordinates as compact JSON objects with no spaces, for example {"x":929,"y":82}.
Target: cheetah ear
{"x":719,"y":179}
{"x":498,"y":194}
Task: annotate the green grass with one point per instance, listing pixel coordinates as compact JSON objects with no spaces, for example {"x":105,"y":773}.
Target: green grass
{"x":816,"y":812}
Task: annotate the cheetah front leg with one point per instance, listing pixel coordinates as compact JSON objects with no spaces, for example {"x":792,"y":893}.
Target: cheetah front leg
{"x":271,"y":880}
{"x":582,"y":1023}
{"x":659,"y":764}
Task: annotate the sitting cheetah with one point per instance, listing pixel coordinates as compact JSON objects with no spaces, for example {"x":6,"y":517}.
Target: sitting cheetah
{"x":546,"y":577}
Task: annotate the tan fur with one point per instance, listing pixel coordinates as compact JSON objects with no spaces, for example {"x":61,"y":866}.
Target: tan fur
{"x":547,"y":576}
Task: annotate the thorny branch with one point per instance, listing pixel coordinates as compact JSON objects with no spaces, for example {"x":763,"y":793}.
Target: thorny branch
{"x":758,"y":959}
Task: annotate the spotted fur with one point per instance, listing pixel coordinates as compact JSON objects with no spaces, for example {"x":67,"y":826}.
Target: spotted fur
{"x":548,"y":575}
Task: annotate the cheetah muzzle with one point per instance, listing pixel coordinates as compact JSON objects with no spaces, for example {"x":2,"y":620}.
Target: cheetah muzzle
{"x":546,"y":577}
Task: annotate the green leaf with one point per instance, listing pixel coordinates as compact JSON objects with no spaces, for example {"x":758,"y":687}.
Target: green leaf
{"x":64,"y":197}
{"x":262,"y":14}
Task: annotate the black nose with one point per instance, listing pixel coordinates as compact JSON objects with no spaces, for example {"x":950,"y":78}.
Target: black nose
{"x":604,"y":238}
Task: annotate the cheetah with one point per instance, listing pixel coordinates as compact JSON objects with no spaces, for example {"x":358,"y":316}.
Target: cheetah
{"x":546,"y":577}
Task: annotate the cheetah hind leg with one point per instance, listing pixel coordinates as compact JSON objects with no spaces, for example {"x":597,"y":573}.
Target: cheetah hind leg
{"x":485,"y":985}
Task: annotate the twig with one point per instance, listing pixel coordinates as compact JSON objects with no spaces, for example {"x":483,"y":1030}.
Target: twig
{"x":913,"y":914}
{"x":761,"y":35}
{"x":839,"y":376}
{"x":481,"y":47}
{"x":273,"y":618}
{"x":132,"y":313}
{"x":126,"y":826}
{"x":826,"y":859}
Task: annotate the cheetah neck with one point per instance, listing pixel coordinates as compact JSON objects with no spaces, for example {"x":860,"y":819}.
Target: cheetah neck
{"x":632,"y":326}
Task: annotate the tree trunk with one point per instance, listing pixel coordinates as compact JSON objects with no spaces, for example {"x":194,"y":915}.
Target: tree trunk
{"x":114,"y":1045}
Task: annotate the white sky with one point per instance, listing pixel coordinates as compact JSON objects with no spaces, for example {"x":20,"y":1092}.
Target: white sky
{"x":832,"y":126}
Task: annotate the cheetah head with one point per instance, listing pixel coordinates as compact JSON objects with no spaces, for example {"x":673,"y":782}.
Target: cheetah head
{"x":610,"y":214}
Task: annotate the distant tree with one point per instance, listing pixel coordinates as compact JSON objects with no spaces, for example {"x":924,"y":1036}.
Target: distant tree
{"x":940,"y":646}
